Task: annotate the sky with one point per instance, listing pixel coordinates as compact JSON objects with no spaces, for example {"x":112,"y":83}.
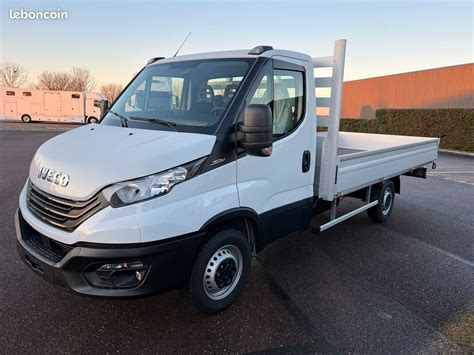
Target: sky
{"x":114,"y":38}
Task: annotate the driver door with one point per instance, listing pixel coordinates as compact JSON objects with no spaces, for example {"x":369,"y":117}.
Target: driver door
{"x":278,"y":187}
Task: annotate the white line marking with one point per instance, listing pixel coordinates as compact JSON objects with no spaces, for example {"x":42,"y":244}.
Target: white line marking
{"x":451,"y":172}
{"x":461,"y":181}
{"x":458,"y":258}
{"x":429,"y":245}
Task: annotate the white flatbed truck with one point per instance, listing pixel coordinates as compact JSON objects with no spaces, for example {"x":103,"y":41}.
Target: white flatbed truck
{"x":201,"y":162}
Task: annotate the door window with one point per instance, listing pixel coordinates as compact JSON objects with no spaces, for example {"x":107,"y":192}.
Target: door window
{"x":287,"y":101}
{"x":263,"y":92}
{"x":284,"y":93}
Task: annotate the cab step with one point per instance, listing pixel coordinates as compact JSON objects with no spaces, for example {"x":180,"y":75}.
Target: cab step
{"x":336,"y":220}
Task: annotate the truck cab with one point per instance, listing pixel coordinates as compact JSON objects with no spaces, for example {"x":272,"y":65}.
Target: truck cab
{"x":201,"y":162}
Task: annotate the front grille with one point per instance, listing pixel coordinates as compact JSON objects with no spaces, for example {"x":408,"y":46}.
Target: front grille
{"x":60,"y":212}
{"x":49,"y":249}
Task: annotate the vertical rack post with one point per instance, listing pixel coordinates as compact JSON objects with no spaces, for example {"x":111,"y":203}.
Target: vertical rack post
{"x":328,"y":181}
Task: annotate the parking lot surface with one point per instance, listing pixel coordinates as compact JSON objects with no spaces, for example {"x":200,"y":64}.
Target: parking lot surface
{"x":404,"y":286}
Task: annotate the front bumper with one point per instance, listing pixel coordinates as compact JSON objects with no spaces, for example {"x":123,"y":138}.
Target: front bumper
{"x":70,"y":267}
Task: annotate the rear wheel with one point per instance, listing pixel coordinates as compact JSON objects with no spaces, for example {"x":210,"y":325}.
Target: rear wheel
{"x":220,"y":271}
{"x":385,"y":194}
{"x":92,"y":120}
{"x":26,"y":118}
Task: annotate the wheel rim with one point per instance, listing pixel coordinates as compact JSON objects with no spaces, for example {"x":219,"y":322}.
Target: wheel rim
{"x":93,"y":120}
{"x":387,"y":201}
{"x":223,"y":272}
{"x":26,"y":119}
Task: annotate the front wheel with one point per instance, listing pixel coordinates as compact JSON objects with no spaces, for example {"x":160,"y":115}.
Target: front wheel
{"x":92,"y":120}
{"x":385,"y":194}
{"x":220,"y":271}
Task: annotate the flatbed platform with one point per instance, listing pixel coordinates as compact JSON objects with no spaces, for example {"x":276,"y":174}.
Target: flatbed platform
{"x":344,"y":151}
{"x":364,"y":159}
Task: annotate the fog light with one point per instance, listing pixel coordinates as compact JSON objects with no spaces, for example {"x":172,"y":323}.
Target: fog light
{"x":125,"y":274}
{"x":133,"y":265}
{"x":139,"y":275}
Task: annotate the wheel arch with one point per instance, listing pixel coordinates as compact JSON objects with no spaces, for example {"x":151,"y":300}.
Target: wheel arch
{"x":88,"y":118}
{"x":244,"y":219}
{"x":396,"y":182}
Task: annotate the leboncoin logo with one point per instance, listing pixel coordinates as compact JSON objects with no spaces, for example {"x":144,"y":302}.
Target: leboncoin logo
{"x":38,"y":15}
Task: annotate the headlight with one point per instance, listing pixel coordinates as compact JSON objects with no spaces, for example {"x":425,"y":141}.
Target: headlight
{"x":132,"y":191}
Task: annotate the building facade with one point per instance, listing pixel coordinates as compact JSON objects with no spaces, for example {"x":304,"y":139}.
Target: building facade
{"x":447,"y":87}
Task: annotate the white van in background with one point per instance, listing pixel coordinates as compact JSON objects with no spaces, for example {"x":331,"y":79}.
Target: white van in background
{"x":51,"y":106}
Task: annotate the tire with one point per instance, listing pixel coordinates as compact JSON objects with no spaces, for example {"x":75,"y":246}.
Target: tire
{"x":385,"y":194}
{"x":220,"y":271}
{"x":26,"y":118}
{"x":92,"y":120}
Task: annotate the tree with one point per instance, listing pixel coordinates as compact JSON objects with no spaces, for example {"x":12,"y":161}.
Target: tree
{"x":12,"y":75}
{"x":54,"y":81}
{"x":111,"y":91}
{"x":81,"y":80}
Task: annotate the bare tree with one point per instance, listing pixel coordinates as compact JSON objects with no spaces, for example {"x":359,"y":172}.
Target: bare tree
{"x":12,"y":75}
{"x":54,"y":81}
{"x":81,"y":80}
{"x":111,"y":91}
{"x":78,"y":80}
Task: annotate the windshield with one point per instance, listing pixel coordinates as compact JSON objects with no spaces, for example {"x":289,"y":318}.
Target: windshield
{"x":187,"y":96}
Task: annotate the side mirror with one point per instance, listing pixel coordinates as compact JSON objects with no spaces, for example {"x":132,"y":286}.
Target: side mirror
{"x":257,"y":130}
{"x":104,"y":106}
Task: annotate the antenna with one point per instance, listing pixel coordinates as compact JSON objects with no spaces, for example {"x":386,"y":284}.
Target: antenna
{"x":189,"y":34}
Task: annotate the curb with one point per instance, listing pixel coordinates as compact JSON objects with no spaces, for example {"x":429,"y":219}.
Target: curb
{"x":457,"y":152}
{"x":36,"y":127}
{"x":33,"y":130}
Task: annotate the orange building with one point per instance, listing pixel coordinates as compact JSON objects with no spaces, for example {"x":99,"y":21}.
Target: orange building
{"x":447,"y":87}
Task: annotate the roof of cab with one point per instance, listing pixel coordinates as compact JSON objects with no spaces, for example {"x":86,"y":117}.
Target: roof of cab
{"x":244,"y":53}
{"x":208,"y":55}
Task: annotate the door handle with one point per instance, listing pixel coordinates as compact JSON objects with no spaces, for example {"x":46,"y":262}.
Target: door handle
{"x":306,"y":164}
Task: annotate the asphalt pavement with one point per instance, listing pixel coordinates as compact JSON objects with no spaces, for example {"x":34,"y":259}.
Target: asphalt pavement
{"x":404,"y":286}
{"x":455,"y":167}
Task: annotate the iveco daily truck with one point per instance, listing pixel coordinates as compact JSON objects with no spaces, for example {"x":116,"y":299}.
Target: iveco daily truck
{"x":200,"y":163}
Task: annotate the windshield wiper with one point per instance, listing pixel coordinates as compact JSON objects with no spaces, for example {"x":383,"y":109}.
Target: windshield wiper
{"x":155,"y":120}
{"x":123,"y":119}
